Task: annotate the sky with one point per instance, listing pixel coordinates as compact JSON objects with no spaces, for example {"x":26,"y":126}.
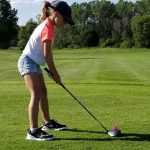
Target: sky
{"x":28,"y":9}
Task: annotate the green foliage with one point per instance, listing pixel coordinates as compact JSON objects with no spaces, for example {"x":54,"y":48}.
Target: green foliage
{"x":141,"y":30}
{"x":103,"y":14}
{"x":106,"y":42}
{"x":8,"y":24}
{"x":126,"y":44}
{"x":126,"y":40}
{"x":25,"y":33}
{"x":142,"y":7}
{"x":22,"y":43}
{"x":89,"y":38}
{"x":112,"y":23}
{"x":122,"y":29}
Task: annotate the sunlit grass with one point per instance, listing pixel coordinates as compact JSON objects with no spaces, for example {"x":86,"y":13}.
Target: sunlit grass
{"x":113,"y":84}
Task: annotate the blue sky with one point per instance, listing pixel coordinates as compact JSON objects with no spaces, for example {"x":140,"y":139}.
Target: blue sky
{"x":28,"y":9}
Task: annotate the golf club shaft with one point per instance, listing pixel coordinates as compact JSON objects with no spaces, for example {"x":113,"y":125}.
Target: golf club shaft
{"x":51,"y":75}
{"x":83,"y":106}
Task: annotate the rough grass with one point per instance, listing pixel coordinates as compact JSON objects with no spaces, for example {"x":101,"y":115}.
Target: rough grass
{"x":114,"y":84}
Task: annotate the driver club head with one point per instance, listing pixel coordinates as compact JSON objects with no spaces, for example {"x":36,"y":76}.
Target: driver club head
{"x":115,"y":132}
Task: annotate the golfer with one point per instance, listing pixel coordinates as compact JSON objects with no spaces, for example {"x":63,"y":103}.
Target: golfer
{"x":36,"y":53}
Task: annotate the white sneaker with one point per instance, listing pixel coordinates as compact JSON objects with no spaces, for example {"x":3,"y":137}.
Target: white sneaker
{"x":53,"y":125}
{"x":38,"y":135}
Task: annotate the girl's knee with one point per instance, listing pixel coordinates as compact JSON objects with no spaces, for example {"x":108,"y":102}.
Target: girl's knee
{"x":36,"y":95}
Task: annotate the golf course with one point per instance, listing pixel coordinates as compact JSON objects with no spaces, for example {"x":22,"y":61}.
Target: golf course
{"x":114,"y":84}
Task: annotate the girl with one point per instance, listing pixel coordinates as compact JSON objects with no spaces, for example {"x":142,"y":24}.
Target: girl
{"x":38,"y":52}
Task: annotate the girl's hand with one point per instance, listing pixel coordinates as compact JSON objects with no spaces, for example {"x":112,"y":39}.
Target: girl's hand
{"x":56,"y":78}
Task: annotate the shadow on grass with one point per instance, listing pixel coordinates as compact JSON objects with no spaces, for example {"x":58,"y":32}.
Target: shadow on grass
{"x":85,"y":131}
{"x":135,"y":137}
{"x":124,"y":136}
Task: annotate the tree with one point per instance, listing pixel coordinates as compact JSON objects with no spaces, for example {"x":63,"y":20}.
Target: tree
{"x":105,"y":22}
{"x":89,"y":38}
{"x":122,"y":23}
{"x":25,"y":33}
{"x":8,"y":24}
{"x":142,"y":7}
{"x":81,"y":13}
{"x":103,"y":14}
{"x":141,"y":31}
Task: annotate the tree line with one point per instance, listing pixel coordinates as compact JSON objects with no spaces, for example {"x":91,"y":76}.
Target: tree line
{"x":98,"y":23}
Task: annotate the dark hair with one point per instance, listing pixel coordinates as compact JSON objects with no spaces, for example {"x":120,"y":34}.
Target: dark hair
{"x":45,"y":10}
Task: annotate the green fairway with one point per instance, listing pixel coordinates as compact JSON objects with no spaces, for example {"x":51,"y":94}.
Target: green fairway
{"x":114,"y":84}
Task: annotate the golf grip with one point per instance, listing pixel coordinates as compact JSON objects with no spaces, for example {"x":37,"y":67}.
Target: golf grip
{"x":51,"y":75}
{"x":48,"y":72}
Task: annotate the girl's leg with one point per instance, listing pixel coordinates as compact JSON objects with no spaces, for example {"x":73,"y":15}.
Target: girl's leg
{"x":44,"y":107}
{"x":33,"y":84}
{"x":48,"y":124}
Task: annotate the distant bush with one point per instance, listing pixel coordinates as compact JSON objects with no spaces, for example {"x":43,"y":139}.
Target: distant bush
{"x":126,"y":44}
{"x":109,"y":42}
{"x":22,"y":44}
{"x":141,"y":31}
{"x":25,"y":33}
{"x":8,"y":24}
{"x":89,"y":38}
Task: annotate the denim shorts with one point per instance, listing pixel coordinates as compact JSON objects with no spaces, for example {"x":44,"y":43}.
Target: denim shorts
{"x":27,"y":66}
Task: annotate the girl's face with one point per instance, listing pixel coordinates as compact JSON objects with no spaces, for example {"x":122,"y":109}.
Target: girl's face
{"x":59,"y":20}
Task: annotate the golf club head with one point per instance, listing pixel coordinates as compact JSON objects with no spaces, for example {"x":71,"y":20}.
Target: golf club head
{"x":115,"y":133}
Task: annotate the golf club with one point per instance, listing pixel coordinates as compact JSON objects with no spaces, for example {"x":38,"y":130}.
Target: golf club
{"x":113,"y":133}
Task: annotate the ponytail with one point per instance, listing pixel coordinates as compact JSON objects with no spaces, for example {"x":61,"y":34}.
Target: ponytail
{"x":45,"y":10}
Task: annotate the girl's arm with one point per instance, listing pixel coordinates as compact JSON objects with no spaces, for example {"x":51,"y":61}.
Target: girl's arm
{"x":50,"y":62}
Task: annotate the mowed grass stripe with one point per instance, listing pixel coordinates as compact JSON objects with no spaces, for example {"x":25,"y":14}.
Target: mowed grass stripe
{"x":78,"y":70}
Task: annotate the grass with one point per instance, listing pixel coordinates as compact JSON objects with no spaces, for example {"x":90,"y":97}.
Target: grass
{"x":114,"y":84}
